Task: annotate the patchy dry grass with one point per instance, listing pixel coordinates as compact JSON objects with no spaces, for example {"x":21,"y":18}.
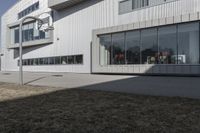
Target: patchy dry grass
{"x":13,"y":91}
{"x":32,"y":109}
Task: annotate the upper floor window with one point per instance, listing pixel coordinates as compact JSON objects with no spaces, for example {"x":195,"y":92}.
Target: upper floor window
{"x":140,"y":3}
{"x":28,"y":10}
{"x":29,"y":33}
{"x":126,"y":6}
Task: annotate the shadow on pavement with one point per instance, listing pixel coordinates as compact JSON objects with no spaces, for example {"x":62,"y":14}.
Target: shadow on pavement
{"x":153,"y":85}
{"x":29,"y":82}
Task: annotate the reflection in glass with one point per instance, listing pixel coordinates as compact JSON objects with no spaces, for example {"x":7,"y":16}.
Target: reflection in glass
{"x":167,"y":39}
{"x":45,"y":61}
{"x":149,"y":46}
{"x":78,"y":59}
{"x":36,"y":62}
{"x":70,"y":60}
{"x":51,"y":60}
{"x":176,"y":44}
{"x":105,"y":49}
{"x":29,"y":33}
{"x":133,"y":47}
{"x":16,"y":35}
{"x":24,"y":62}
{"x":31,"y":62}
{"x":57,"y":60}
{"x":118,"y":48}
{"x":64,"y":60}
{"x":188,"y":43}
{"x":41,"y":61}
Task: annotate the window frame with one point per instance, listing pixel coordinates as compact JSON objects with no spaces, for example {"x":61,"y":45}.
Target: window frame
{"x":157,"y":27}
{"x":46,"y":61}
{"x":141,"y":7}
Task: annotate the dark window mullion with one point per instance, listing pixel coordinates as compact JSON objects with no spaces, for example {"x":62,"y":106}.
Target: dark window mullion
{"x":125,"y":47}
{"x":158,"y":45}
{"x":177,"y":44}
{"x":140,"y":46}
{"x":199,"y":42}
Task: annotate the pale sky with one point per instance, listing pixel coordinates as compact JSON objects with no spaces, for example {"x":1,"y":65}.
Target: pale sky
{"x":5,"y":5}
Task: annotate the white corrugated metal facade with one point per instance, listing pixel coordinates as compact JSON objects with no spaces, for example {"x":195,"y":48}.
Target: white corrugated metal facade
{"x":74,"y":26}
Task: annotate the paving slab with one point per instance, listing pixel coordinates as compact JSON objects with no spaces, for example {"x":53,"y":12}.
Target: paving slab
{"x":147,"y":85}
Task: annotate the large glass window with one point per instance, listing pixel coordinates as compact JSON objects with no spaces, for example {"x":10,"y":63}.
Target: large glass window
{"x":149,"y":46}
{"x":105,"y":49}
{"x":133,"y":47}
{"x":118,"y":43}
{"x":188,"y":43}
{"x":167,"y":39}
{"x":29,"y":33}
{"x":174,"y":44}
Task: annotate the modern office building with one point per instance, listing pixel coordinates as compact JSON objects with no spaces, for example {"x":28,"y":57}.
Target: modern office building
{"x":105,"y":36}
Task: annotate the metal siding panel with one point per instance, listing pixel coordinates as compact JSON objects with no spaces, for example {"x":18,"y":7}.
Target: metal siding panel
{"x":75,"y":30}
{"x":170,"y":9}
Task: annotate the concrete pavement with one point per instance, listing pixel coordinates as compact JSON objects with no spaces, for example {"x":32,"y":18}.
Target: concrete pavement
{"x":64,"y":80}
{"x":147,"y":85}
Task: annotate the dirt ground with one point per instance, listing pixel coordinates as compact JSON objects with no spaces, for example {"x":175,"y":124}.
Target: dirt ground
{"x":34,"y":109}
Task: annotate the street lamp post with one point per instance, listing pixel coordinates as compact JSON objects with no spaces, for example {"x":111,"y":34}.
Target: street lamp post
{"x":20,"y":46}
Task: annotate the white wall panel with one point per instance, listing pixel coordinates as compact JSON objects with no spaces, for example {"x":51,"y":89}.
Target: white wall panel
{"x":73,"y":28}
{"x":169,"y":9}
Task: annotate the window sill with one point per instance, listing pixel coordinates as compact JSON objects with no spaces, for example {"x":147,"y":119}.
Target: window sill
{"x":32,"y":43}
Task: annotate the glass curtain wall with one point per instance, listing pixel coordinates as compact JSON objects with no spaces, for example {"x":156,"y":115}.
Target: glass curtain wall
{"x":188,"y":43}
{"x":29,"y":33}
{"x":174,"y":44}
{"x":112,"y":49}
{"x":105,"y":49}
{"x":118,"y":44}
{"x":132,"y":47}
{"x":167,"y":41}
{"x":149,"y":46}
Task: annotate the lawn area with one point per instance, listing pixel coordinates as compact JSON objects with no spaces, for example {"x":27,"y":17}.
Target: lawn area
{"x":34,"y":109}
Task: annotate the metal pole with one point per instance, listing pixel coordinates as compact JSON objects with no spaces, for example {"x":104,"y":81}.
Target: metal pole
{"x":21,"y":49}
{"x":20,"y":54}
